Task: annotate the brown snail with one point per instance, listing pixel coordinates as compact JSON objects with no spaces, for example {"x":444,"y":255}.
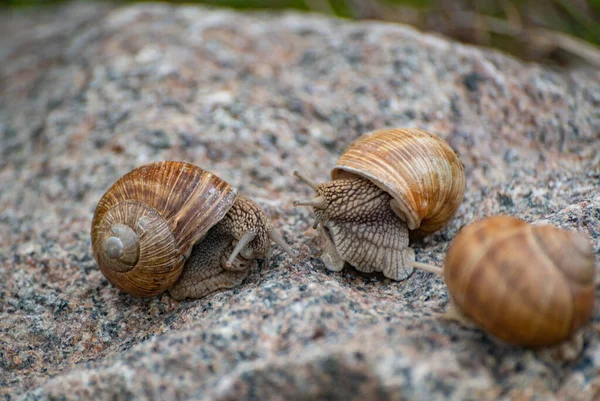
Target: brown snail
{"x":529,"y":285}
{"x":386,"y":183}
{"x":174,"y":226}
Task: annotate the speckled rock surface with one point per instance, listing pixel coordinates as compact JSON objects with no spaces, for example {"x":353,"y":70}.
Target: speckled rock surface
{"x":88,"y":93}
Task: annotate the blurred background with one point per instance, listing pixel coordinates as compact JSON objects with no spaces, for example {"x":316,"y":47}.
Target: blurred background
{"x":556,"y":32}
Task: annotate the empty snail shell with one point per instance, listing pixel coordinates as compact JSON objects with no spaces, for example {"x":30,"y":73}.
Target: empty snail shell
{"x":387,"y":182}
{"x":529,"y":285}
{"x":174,"y":226}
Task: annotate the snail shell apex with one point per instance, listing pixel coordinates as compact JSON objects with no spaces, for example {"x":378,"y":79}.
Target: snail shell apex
{"x":419,"y":170}
{"x":525,"y":284}
{"x":168,"y":206}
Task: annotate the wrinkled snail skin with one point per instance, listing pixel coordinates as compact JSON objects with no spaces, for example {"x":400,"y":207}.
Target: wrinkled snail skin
{"x":525,"y":284}
{"x":387,"y":184}
{"x":359,"y":227}
{"x":174,"y":226}
{"x":212,"y":264}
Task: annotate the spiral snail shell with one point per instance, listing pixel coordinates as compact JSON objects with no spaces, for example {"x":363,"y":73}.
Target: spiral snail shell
{"x":387,"y":183}
{"x":174,"y":226}
{"x":530,"y":285}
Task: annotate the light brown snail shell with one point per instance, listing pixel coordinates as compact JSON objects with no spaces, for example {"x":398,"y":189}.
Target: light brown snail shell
{"x":145,"y":226}
{"x":386,"y":183}
{"x":418,"y":169}
{"x":525,"y":284}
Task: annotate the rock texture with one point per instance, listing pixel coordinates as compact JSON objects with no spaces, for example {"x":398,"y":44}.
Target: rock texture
{"x":89,"y":92}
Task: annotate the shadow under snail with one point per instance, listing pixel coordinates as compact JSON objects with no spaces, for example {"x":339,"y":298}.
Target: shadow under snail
{"x":529,"y":285}
{"x":174,"y":226}
{"x":387,"y":183}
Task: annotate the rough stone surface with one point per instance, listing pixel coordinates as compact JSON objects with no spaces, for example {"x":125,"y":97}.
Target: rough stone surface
{"x":88,"y":93}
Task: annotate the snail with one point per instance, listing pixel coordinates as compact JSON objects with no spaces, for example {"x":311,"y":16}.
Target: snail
{"x":528,"y":285}
{"x":388,"y":183}
{"x":174,"y":226}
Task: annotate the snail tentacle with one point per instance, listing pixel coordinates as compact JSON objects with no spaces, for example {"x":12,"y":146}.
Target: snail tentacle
{"x":428,"y":268}
{"x":278,"y":239}
{"x":306,"y":180}
{"x":317,"y":202}
{"x":240,"y":246}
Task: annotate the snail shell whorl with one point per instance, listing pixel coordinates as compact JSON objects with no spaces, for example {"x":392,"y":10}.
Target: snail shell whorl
{"x":123,"y":245}
{"x":146,"y":224}
{"x":418,"y":169}
{"x":527,"y":285}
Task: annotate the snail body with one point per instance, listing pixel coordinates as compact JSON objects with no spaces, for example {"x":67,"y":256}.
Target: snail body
{"x":525,"y":284}
{"x":388,"y":183}
{"x":174,"y":226}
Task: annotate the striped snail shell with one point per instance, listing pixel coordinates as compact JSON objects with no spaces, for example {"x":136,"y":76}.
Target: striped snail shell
{"x":147,"y":224}
{"x":530,"y":285}
{"x":419,"y":170}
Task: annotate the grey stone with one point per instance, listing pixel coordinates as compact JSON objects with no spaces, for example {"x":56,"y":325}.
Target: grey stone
{"x":252,"y":97}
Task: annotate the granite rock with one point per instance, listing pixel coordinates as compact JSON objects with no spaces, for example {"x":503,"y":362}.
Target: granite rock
{"x":89,"y":92}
